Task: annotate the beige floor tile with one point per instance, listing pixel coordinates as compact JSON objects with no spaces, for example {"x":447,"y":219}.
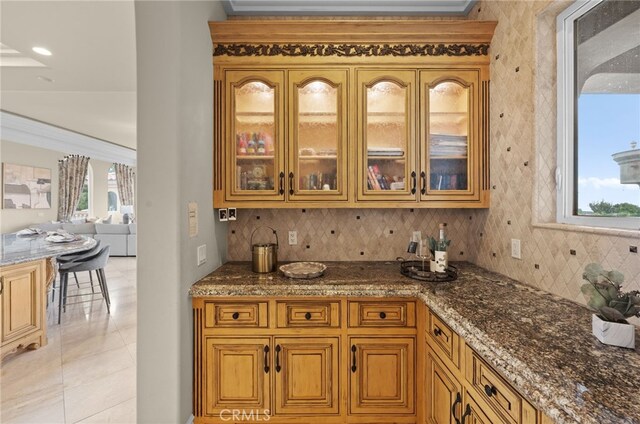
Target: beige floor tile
{"x":129,"y":334}
{"x":123,"y":413}
{"x":133,"y":350}
{"x":88,"y":399}
{"x":89,"y":368}
{"x":91,"y":345}
{"x":42,"y":406}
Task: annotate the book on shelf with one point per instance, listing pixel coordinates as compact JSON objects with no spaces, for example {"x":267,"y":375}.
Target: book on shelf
{"x":385,"y":151}
{"x":443,"y":181}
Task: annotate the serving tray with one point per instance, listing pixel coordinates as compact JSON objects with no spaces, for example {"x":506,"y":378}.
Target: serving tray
{"x":303,"y":270}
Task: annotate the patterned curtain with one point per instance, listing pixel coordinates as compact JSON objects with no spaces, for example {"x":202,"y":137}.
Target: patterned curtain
{"x":125,"y":178}
{"x":72,"y":173}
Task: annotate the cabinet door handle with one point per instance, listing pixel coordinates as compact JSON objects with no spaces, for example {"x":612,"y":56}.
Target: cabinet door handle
{"x":278,"y":368}
{"x":490,"y":390}
{"x":453,"y":408}
{"x":423,"y":176}
{"x":281,"y":191}
{"x":467,"y":412}
{"x":266,"y":358}
{"x":437,"y":331}
{"x":1,"y":284}
{"x":353,"y":358}
{"x":307,"y":316}
{"x":383,"y":315}
{"x":235,"y":315}
{"x":291,"y":183}
{"x":413,"y":184}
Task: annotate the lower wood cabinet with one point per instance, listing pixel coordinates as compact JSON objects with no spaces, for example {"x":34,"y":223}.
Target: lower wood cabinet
{"x":307,"y":380}
{"x":303,"y":361}
{"x":382,"y":375}
{"x":443,"y":393}
{"x":22,"y":306}
{"x":237,"y":374}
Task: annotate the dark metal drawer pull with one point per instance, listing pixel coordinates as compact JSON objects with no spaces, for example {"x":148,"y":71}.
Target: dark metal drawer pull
{"x":266,"y":358}
{"x":437,"y":332}
{"x":307,"y":316}
{"x":235,"y":315}
{"x":383,"y":315}
{"x":453,"y":408}
{"x":278,"y":358}
{"x":467,"y":412}
{"x":490,"y":390}
{"x":281,"y":191}
{"x":353,"y":359}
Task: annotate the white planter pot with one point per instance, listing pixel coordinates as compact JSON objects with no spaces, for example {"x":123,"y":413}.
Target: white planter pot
{"x":441,"y":261}
{"x":613,"y":333}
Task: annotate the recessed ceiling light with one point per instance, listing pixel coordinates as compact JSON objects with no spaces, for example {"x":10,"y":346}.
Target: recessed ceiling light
{"x":42,"y":51}
{"x":43,"y":78}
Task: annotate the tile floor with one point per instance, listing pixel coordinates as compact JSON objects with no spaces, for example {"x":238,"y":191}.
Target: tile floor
{"x":87,"y":371}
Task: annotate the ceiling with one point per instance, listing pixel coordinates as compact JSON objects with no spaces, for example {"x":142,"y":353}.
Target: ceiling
{"x":92,"y":67}
{"x":88,"y":84}
{"x":348,"y":7}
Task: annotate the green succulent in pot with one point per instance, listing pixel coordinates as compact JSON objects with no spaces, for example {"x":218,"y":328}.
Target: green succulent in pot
{"x":605,"y":296}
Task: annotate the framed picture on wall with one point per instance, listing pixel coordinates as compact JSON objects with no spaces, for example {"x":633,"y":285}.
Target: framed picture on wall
{"x":25,"y":187}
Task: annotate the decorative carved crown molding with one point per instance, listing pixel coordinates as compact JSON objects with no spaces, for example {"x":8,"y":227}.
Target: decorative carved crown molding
{"x":350,"y":50}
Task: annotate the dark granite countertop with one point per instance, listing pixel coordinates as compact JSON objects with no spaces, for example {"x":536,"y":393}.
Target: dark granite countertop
{"x":16,"y":249}
{"x":540,"y":343}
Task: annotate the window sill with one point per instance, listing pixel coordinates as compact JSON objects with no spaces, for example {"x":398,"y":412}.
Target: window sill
{"x":591,"y":230}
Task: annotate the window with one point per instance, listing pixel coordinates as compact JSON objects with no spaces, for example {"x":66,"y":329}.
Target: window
{"x":84,"y":204}
{"x":598,"y":172}
{"x":113,"y":202}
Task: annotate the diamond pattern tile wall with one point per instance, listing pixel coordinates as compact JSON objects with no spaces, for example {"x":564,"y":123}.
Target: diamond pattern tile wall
{"x":525,"y":40}
{"x":347,"y":235}
{"x":523,"y":90}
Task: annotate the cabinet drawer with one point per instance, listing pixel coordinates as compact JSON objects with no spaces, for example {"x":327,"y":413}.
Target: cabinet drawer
{"x":236,"y":314}
{"x":308,"y":314}
{"x":443,"y":340}
{"x":382,"y":314}
{"x":492,"y":389}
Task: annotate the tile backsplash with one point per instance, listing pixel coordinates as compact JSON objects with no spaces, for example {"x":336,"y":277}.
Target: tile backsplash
{"x":522,"y":173}
{"x":347,"y":234}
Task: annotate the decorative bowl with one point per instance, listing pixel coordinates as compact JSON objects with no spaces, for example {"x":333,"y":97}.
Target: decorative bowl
{"x":304,"y":270}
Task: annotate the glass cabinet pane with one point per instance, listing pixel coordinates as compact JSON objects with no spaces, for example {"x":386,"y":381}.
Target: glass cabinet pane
{"x":448,"y":136}
{"x":386,"y":136}
{"x":255,"y":123}
{"x":317,"y":136}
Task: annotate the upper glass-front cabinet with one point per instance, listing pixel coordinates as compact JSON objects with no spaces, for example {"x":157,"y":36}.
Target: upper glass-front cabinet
{"x":386,"y":133}
{"x":449,"y":145}
{"x":317,"y":167}
{"x":255,"y":146}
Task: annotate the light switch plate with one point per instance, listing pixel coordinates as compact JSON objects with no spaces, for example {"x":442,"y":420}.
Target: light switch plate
{"x":202,"y":254}
{"x":293,"y":238}
{"x":515,"y":249}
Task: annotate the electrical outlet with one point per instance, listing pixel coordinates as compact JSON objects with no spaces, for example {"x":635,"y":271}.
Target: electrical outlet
{"x":417,"y":236}
{"x":293,"y":238}
{"x":515,"y":249}
{"x":202,"y":254}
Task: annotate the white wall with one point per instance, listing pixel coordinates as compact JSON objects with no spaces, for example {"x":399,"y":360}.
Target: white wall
{"x":174,"y":167}
{"x":15,"y":219}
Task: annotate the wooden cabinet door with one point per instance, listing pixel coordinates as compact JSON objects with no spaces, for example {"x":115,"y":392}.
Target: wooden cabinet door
{"x":386,"y":108}
{"x":443,"y":393}
{"x":450,"y":145}
{"x":317,"y":141}
{"x":307,"y":376}
{"x":237,"y":372}
{"x":382,"y":375}
{"x":473,"y":414}
{"x":254,"y":145}
{"x":21,"y":299}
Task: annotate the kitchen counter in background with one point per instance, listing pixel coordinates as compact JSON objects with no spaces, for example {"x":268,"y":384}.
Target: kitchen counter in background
{"x":19,"y":249}
{"x":540,"y":343}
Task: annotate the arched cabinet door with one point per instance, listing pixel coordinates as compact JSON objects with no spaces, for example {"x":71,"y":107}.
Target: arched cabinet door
{"x":386,"y":165}
{"x":450,"y":147}
{"x":254,"y":147}
{"x":317,"y":139}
